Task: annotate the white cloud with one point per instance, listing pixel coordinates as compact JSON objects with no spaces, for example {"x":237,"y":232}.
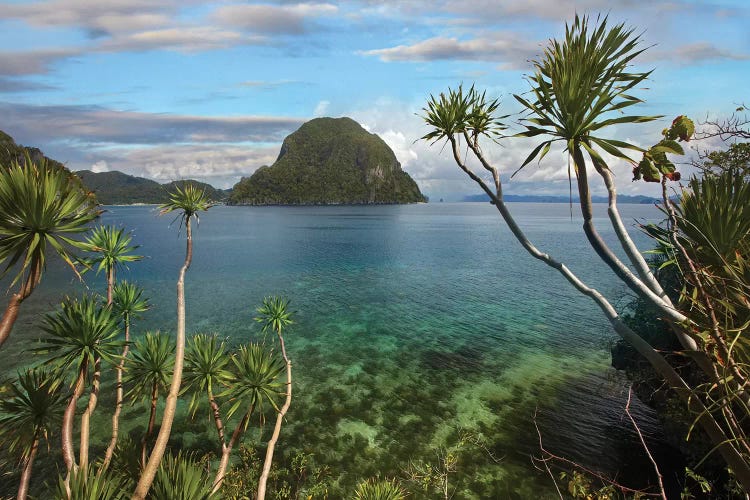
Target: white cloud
{"x":507,"y":48}
{"x":321,"y":108}
{"x":265,"y":18}
{"x":100,"y":166}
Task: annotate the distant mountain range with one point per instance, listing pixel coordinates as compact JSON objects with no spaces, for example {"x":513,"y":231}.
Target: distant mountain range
{"x":329,"y":161}
{"x":117,"y":188}
{"x":622,"y":198}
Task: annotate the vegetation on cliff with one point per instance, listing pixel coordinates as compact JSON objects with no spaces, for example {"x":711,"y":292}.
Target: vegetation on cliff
{"x":117,"y":188}
{"x":329,"y":161}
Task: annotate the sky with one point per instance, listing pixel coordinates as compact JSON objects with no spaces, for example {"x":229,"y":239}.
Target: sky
{"x":183,"y":89}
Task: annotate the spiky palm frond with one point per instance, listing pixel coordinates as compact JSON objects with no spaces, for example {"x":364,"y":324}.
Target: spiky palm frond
{"x":150,"y":363}
{"x":87,"y":484}
{"x":459,"y":112}
{"x":182,"y":477}
{"x":274,"y":314}
{"x":254,"y":379}
{"x":206,"y":368}
{"x":578,"y":86}
{"x":112,"y":246}
{"x":379,"y":489}
{"x":40,"y":206}
{"x":33,"y":407}
{"x":128,"y":300}
{"x":82,"y":329}
{"x":188,"y":200}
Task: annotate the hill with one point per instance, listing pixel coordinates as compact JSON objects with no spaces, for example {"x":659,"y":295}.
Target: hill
{"x":329,"y":161}
{"x":10,"y":152}
{"x":117,"y":188}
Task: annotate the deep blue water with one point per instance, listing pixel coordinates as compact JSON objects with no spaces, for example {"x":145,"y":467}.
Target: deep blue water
{"x":413,"y":323}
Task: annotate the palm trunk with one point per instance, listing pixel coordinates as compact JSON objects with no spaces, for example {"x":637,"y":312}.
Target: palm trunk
{"x":151,"y":422}
{"x":67,"y":424}
{"x":118,"y":405}
{"x":23,"y":486}
{"x":717,"y":435}
{"x":226,"y":450}
{"x":277,"y":428}
{"x":14,"y":304}
{"x":634,"y":255}
{"x":83,"y":461}
{"x":110,"y":284}
{"x":149,"y":471}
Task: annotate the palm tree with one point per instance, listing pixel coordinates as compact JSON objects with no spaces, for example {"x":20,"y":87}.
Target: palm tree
{"x":182,"y":477}
{"x":85,"y":484}
{"x":274,"y":315}
{"x":147,"y":374}
{"x":40,"y":206}
{"x":379,"y":489}
{"x":253,"y":382}
{"x":576,"y":87}
{"x":128,"y":302}
{"x":113,"y":250}
{"x":80,"y":335}
{"x":33,"y":408}
{"x":187,"y":201}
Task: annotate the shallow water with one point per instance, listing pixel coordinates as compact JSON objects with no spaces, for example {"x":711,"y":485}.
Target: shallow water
{"x":413,"y":323}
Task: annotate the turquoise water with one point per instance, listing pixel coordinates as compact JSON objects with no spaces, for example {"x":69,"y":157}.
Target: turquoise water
{"x":413,"y":323}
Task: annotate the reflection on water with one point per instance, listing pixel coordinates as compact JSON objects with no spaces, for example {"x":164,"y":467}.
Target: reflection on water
{"x":414,"y":323}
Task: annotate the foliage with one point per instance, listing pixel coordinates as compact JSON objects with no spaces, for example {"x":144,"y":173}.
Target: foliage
{"x":149,"y":365}
{"x":87,"y":484}
{"x":379,"y":489}
{"x":577,"y":85}
{"x":274,"y":314}
{"x":117,"y":188}
{"x":128,"y":301}
{"x":300,"y":478}
{"x":254,"y":379}
{"x":112,"y":246}
{"x":40,"y":206}
{"x":182,"y":477}
{"x":33,"y":407}
{"x":206,"y":368}
{"x":329,"y":161}
{"x":79,"y":332}
{"x":735,"y":157}
{"x":188,"y":200}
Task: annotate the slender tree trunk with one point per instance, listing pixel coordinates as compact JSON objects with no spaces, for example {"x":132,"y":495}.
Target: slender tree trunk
{"x":23,"y":486}
{"x":67,"y":424}
{"x":83,"y":461}
{"x":151,"y":422}
{"x":110,"y":283}
{"x":277,"y":428}
{"x":226,"y":450}
{"x":716,"y":434}
{"x":118,"y":405}
{"x":635,"y":256}
{"x":149,"y":472}
{"x":14,"y":304}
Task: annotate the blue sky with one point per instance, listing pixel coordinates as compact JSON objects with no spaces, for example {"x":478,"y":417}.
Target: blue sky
{"x":208,"y":90}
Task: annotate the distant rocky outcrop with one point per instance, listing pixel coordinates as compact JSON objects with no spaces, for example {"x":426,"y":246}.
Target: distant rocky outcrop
{"x":117,"y":188}
{"x":329,"y":161}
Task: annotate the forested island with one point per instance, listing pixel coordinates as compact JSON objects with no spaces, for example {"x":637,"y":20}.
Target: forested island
{"x":329,"y":161}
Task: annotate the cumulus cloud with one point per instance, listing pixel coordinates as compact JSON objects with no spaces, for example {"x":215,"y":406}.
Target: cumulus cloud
{"x":220,"y":165}
{"x":100,"y":166}
{"x":183,"y":39}
{"x":697,"y":52}
{"x":510,"y":49}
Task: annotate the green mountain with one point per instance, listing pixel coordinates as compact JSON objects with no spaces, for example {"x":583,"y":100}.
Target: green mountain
{"x":329,"y":161}
{"x":10,"y":152}
{"x":117,"y":188}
